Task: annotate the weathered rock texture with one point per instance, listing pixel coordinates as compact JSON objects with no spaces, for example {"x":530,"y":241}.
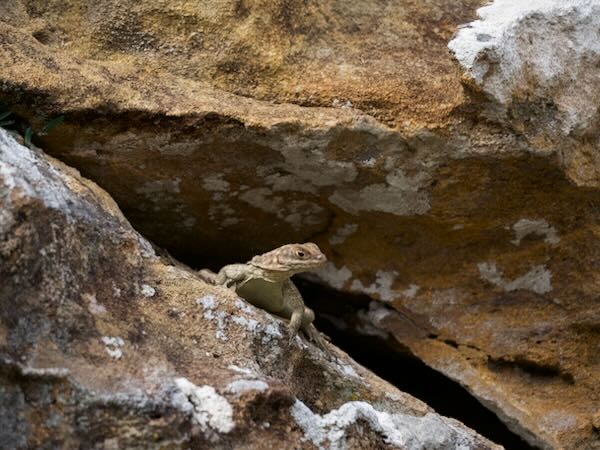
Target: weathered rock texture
{"x":536,"y":64}
{"x":230,"y":128}
{"x":103,"y":345}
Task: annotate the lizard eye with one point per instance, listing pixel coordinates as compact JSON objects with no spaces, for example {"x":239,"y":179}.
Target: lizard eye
{"x":300,"y":254}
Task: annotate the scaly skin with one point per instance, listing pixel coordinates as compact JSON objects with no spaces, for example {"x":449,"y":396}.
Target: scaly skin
{"x":265,"y":282}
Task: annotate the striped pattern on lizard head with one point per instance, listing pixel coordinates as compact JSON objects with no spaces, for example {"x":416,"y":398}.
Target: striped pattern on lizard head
{"x":294,"y":258}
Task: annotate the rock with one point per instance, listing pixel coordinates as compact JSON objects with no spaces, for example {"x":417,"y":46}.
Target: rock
{"x":87,"y":359}
{"x":336,"y":54}
{"x":467,"y":205}
{"x":536,"y":62}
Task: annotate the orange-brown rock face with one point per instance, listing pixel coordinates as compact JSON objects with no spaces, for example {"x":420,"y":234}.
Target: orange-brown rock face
{"x":104,"y":345}
{"x":388,"y":59}
{"x":461,"y":192}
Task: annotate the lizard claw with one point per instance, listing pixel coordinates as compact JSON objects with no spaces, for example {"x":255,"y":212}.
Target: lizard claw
{"x":291,"y":339}
{"x":319,"y":339}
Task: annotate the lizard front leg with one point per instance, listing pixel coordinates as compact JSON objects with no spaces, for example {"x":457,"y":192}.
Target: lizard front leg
{"x":310,"y":330}
{"x":301,"y":317}
{"x":293,"y":307}
{"x":231,"y":276}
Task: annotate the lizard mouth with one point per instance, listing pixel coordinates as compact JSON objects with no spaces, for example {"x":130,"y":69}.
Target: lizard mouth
{"x":319,"y":261}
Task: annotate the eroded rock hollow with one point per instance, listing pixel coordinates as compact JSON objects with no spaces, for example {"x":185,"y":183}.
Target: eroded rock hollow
{"x":444,"y":155}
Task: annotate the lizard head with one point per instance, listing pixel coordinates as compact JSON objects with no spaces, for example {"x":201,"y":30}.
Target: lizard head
{"x":294,"y":258}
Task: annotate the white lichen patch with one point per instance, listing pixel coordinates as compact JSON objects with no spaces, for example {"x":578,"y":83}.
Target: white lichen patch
{"x":370,"y":321}
{"x":147,"y":291}
{"x":369,"y":162}
{"x":239,"y":387}
{"x":400,"y":195}
{"x":298,"y":213}
{"x":241,"y":370}
{"x":526,"y":227}
{"x":337,"y":103}
{"x":246,"y":317}
{"x":268,"y":332}
{"x":146,"y":249}
{"x":158,"y":187}
{"x":49,"y":372}
{"x":222,"y":213}
{"x":440,"y":302}
{"x":288,"y":182}
{"x":392,"y":396}
{"x":444,"y":298}
{"x":249,"y":324}
{"x":116,"y":289}
{"x":230,"y":221}
{"x":538,"y":279}
{"x":219,"y":211}
{"x":345,"y":370}
{"x":262,"y":198}
{"x":410,"y":291}
{"x":342,"y":233}
{"x":113,"y":346}
{"x":244,"y":306}
{"x":331,"y":275}
{"x":328,"y":431}
{"x":382,"y":287}
{"x":272,"y":332}
{"x":559,"y":420}
{"x":306,"y":168}
{"x":162,"y":194}
{"x":209,"y":304}
{"x":211,"y":411}
{"x":215,"y":183}
{"x":93,"y":306}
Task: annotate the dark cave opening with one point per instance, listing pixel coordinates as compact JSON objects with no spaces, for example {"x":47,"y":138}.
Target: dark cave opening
{"x":401,"y":369}
{"x":395,"y":364}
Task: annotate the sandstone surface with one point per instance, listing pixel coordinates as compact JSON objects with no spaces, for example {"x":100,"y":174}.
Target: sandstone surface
{"x":105,"y":345}
{"x":461,"y":193}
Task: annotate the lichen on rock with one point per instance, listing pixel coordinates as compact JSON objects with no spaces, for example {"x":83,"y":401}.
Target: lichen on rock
{"x":447,"y":164}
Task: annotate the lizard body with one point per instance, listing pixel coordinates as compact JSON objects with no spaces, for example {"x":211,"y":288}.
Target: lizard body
{"x":265,"y":282}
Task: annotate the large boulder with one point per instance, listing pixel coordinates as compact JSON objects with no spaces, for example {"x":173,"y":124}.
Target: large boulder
{"x":461,"y":193}
{"x":535,"y":64}
{"x":103,"y":344}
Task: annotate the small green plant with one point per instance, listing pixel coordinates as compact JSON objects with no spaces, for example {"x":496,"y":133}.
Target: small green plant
{"x":3,"y":121}
{"x":27,"y":136}
{"x":50,"y":125}
{"x":27,"y":131}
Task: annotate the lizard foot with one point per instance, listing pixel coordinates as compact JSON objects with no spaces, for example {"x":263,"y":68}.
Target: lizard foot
{"x":324,"y":337}
{"x":318,"y":339}
{"x":207,"y":276}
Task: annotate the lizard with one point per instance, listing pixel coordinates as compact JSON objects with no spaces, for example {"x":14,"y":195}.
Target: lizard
{"x":265,"y":282}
